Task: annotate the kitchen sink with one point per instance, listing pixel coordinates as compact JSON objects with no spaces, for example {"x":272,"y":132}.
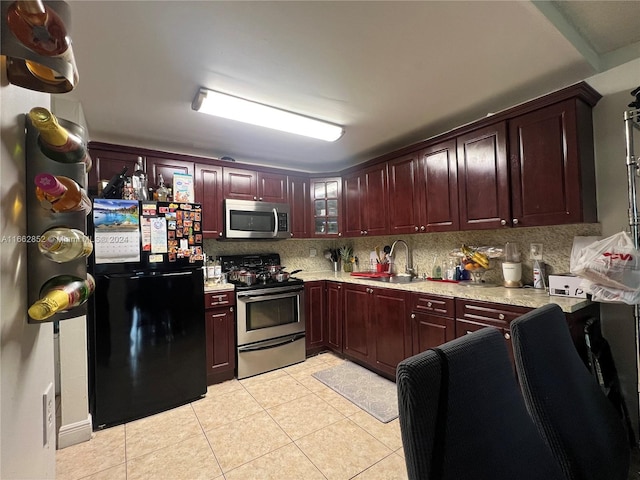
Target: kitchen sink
{"x":398,"y":279}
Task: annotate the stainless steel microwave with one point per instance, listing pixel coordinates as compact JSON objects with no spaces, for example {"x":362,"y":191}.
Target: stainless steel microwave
{"x":244,"y":219}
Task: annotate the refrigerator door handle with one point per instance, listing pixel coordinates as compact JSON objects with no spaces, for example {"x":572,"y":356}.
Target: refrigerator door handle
{"x":148,"y":275}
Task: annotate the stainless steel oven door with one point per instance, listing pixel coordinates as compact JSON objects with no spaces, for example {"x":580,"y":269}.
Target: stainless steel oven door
{"x":268,"y":313}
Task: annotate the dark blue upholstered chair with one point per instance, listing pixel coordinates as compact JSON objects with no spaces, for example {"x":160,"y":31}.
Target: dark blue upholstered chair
{"x":462,"y":416}
{"x":578,"y":422}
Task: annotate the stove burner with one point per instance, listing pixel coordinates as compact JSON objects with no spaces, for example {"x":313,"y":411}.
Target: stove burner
{"x":256,"y":264}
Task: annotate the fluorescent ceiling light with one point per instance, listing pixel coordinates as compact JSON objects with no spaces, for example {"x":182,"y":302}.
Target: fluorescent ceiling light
{"x":236,"y":108}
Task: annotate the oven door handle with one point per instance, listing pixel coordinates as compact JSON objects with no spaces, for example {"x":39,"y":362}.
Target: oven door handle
{"x":266,"y":296}
{"x":278,"y":342}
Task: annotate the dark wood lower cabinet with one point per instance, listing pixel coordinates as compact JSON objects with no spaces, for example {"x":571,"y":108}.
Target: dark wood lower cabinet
{"x":357,"y":331}
{"x":473,"y":315}
{"x":221,"y":336}
{"x":377,"y":331}
{"x":334,"y":316}
{"x":315,"y":316}
{"x":432,"y":321}
{"x":379,"y":327}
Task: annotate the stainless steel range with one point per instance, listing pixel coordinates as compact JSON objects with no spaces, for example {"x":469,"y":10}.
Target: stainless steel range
{"x":270,"y":314}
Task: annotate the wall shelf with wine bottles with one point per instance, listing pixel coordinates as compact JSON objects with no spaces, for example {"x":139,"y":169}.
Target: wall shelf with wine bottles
{"x":35,"y":38}
{"x":56,"y":226}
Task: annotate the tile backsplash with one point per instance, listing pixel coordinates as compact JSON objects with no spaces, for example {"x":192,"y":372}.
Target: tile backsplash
{"x":296,"y":253}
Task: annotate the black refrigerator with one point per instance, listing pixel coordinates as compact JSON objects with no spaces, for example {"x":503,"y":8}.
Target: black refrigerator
{"x":146,"y":324}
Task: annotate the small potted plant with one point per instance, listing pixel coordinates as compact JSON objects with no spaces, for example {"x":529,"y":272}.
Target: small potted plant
{"x":346,"y":254}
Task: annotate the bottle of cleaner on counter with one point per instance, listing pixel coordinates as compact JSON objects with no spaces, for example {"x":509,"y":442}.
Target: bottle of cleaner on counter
{"x":538,"y":274}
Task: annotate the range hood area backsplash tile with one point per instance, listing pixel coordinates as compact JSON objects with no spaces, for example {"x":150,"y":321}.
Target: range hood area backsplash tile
{"x":295,"y":253}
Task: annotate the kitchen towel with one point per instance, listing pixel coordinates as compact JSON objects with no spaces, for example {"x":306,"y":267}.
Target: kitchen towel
{"x":369,"y":391}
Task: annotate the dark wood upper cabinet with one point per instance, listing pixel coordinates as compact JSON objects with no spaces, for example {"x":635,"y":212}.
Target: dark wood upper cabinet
{"x":405,"y":197}
{"x":240,"y":184}
{"x":423,"y":190}
{"x":483,"y":178}
{"x":352,"y":198}
{"x":299,"y":207}
{"x":326,"y":207}
{"x":366,"y":202}
{"x":272,"y":187}
{"x":166,"y":167}
{"x":552,"y":166}
{"x":208,"y":192}
{"x":106,"y":164}
{"x":438,"y":186}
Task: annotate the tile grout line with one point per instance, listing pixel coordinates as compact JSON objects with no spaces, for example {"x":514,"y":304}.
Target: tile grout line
{"x":207,"y":439}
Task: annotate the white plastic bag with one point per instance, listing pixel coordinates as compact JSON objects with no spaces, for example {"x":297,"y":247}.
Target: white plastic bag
{"x":612,"y":262}
{"x":610,"y":295}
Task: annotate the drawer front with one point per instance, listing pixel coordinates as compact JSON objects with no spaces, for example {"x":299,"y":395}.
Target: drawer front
{"x":434,"y":304}
{"x":219,"y":299}
{"x":488,"y":313}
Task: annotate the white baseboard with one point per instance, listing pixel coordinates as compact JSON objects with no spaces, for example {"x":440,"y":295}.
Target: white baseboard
{"x":75,"y":433}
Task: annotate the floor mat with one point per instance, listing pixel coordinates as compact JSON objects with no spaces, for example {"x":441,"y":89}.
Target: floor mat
{"x":374,"y":394}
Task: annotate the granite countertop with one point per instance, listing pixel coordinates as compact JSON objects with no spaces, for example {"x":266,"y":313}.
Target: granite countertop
{"x":218,"y":287}
{"x":524,"y":297}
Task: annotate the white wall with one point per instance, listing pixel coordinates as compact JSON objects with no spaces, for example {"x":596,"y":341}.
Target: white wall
{"x":26,"y":351}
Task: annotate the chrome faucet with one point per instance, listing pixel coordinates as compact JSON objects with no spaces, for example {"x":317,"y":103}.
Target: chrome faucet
{"x":409,"y":267}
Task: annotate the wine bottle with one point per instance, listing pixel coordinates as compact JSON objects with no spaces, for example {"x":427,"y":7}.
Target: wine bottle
{"x":61,"y":244}
{"x":55,"y":141}
{"x":139,"y":181}
{"x":113,"y":189}
{"x":162,"y":191}
{"x":38,"y":27}
{"x":61,"y":293}
{"x":61,"y":194}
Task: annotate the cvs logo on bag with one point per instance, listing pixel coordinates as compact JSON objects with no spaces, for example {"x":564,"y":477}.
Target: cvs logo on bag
{"x":618,"y":256}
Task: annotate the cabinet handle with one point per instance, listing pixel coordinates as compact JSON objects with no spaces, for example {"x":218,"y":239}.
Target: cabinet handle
{"x":255,"y":199}
{"x":339,"y":234}
{"x":503,"y":222}
{"x":361,"y":232}
{"x":231,"y":309}
{"x":219,"y":234}
{"x":429,"y":304}
{"x":416,"y":228}
{"x":515,"y":221}
{"x":501,"y":316}
{"x":422,"y":228}
{"x":366,"y":232}
{"x":507,"y":336}
{"x":469,"y":332}
{"x":413,"y":315}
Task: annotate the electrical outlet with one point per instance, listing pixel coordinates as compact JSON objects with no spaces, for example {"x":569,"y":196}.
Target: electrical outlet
{"x":48,"y":415}
{"x":535,"y":250}
{"x":313,"y":252}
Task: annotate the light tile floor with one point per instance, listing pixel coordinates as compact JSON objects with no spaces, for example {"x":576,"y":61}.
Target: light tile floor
{"x":280,"y":425}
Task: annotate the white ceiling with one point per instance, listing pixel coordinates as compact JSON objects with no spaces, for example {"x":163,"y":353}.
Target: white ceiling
{"x":391,"y":73}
